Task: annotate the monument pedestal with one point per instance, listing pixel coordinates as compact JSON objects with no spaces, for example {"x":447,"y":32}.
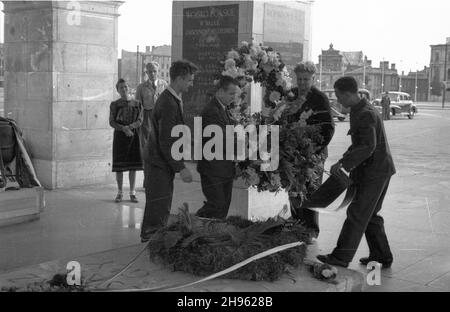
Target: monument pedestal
{"x":203,"y":32}
{"x":246,"y":202}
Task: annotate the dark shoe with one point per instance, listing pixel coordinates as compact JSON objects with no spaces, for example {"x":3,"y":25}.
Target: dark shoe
{"x":385,"y":263}
{"x":133,"y":199}
{"x":332,"y":260}
{"x":119,"y":198}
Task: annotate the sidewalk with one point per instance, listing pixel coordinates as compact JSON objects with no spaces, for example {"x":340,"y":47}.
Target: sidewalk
{"x":81,"y":221}
{"x":432,"y":105}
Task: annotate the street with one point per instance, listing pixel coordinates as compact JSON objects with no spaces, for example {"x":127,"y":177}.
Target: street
{"x":416,"y":208}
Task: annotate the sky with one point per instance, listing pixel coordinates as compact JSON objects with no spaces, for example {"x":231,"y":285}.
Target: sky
{"x":398,"y":31}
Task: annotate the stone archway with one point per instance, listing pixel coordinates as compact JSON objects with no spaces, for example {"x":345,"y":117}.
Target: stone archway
{"x":61,"y":68}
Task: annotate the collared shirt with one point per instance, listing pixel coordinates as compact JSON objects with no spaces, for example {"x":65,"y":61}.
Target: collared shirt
{"x":223,"y":106}
{"x":147,"y":93}
{"x":177,"y":96}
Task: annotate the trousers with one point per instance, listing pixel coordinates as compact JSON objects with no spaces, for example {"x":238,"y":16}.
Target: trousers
{"x":363,"y":219}
{"x":218,"y":192}
{"x":158,"y":198}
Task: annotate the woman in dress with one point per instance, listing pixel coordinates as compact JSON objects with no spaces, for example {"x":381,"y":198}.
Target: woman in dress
{"x":126,"y":117}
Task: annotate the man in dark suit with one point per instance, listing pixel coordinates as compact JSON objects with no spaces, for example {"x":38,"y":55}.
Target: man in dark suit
{"x":217,"y":174}
{"x":371,"y":167}
{"x":318,"y":103}
{"x":167,"y":114}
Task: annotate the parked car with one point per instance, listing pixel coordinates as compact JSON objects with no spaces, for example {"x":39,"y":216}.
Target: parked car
{"x":337,"y":109}
{"x":401,"y":104}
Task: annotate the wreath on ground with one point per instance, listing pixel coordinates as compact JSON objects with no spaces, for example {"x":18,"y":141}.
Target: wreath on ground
{"x":207,"y":246}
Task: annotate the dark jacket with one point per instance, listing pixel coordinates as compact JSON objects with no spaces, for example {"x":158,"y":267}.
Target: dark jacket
{"x":318,"y":102}
{"x":214,"y":114}
{"x":166,"y":114}
{"x":369,"y":156}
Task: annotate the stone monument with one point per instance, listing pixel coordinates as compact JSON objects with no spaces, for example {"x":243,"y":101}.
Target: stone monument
{"x":204,"y":31}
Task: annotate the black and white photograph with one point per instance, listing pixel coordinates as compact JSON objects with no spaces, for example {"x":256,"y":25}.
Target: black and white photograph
{"x":225,"y":151}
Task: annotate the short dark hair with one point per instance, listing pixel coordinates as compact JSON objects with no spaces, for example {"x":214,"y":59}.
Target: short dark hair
{"x":346,"y":84}
{"x":181,"y":69}
{"x":121,"y":80}
{"x":226,"y":81}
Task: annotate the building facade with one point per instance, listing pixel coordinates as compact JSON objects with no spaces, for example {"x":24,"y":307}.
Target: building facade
{"x":161,"y":55}
{"x":417,"y":84}
{"x":440,"y":70}
{"x":132,"y":64}
{"x":334,"y":64}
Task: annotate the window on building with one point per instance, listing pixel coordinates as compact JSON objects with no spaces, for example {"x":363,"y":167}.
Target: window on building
{"x":448,"y":75}
{"x":436,"y":56}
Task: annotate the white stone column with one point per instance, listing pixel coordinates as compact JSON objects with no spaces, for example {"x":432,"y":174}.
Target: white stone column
{"x":61,"y":69}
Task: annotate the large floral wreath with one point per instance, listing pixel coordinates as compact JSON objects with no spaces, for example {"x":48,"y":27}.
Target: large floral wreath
{"x":204,"y":246}
{"x":300,"y":165}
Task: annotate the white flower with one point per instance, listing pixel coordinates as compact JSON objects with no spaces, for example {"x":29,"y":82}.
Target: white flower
{"x":230,"y":63}
{"x":275,"y":96}
{"x":232,"y":72}
{"x":278,"y":112}
{"x":273,"y":57}
{"x":263,"y":56}
{"x":241,"y":72}
{"x":244,"y":43}
{"x":249,"y":63}
{"x":287,"y":84}
{"x":255,"y":50}
{"x":233,"y":55}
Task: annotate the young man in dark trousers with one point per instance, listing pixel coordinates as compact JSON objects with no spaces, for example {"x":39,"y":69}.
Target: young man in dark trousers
{"x":159,"y":175}
{"x":370,"y":164}
{"x":217,"y":175}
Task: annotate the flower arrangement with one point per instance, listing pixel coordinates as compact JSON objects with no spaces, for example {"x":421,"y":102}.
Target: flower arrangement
{"x":260,"y":64}
{"x":299,"y":166}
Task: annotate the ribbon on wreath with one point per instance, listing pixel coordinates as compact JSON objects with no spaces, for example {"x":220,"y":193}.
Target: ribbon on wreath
{"x":323,"y":198}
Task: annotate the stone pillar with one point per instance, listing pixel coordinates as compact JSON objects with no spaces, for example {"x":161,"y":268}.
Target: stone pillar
{"x":61,"y":69}
{"x":206,"y":25}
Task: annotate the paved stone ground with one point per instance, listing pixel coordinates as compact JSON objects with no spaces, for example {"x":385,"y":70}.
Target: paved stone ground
{"x":83,"y":221}
{"x":100,"y":267}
